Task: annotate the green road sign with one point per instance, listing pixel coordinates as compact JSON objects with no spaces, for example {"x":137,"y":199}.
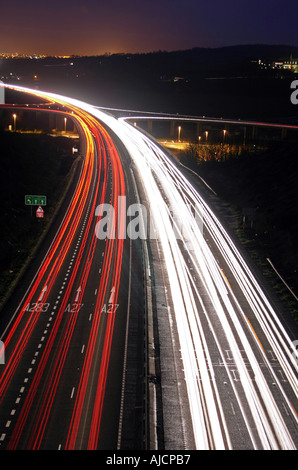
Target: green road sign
{"x":35,"y":200}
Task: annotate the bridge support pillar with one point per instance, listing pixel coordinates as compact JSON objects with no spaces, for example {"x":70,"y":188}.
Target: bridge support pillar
{"x":52,"y":121}
{"x":254,"y":132}
{"x":172,"y":129}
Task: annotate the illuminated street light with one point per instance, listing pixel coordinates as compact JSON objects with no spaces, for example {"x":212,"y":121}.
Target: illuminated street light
{"x":179,"y":132}
{"x":224,"y":134}
{"x":65,"y":121}
{"x":206,"y":133}
{"x":265,"y":425}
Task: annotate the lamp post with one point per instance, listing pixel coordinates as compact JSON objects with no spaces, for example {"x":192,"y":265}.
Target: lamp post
{"x":179,"y":132}
{"x":206,"y":133}
{"x":14,"y":121}
{"x":65,"y":121}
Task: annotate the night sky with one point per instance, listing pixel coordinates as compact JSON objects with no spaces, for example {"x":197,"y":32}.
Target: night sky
{"x":94,"y":27}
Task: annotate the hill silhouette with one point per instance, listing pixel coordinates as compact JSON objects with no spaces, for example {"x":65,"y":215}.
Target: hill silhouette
{"x":219,"y":82}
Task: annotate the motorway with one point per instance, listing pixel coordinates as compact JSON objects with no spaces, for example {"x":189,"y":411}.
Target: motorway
{"x":58,"y":342}
{"x":228,"y":364}
{"x":239,"y":360}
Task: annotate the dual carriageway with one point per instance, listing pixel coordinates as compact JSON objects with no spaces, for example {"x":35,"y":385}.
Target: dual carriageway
{"x":208,"y":345}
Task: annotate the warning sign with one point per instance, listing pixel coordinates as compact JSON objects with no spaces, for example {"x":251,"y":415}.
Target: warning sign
{"x":39,"y":212}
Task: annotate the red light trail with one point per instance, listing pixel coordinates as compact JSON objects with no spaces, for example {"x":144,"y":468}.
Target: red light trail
{"x":101,"y":159}
{"x":228,"y":345}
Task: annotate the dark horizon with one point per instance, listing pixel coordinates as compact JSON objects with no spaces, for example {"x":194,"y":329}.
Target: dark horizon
{"x":269,"y":47}
{"x":199,"y":81}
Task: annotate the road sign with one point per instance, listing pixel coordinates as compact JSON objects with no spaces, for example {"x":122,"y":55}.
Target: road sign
{"x":39,"y":212}
{"x":31,"y":200}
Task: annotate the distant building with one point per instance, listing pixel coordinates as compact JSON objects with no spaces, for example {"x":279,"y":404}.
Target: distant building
{"x":2,"y":93}
{"x":291,"y":64}
{"x":281,"y":64}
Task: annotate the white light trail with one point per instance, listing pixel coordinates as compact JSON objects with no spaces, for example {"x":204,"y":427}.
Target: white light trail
{"x":167,"y":188}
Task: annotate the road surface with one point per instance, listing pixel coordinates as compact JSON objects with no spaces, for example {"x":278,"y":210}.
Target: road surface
{"x":228,"y":364}
{"x":65,"y":342}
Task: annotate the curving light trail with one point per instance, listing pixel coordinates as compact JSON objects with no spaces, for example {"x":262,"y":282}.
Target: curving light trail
{"x":101,"y":159}
{"x":263,"y":410}
{"x":218,"y":302}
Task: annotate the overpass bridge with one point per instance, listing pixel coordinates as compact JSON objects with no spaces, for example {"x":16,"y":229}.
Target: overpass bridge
{"x":193,"y":129}
{"x":214,"y":130}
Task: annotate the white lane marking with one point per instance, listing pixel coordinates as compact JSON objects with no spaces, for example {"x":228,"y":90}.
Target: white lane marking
{"x":112,"y":295}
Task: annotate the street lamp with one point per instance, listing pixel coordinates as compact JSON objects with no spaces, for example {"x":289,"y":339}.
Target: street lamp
{"x":224,"y":134}
{"x":179,"y":132}
{"x":65,"y":121}
{"x":14,"y":121}
{"x":206,"y":133}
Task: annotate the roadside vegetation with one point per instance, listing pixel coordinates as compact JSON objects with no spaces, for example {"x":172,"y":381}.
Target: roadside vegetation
{"x":35,"y":164}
